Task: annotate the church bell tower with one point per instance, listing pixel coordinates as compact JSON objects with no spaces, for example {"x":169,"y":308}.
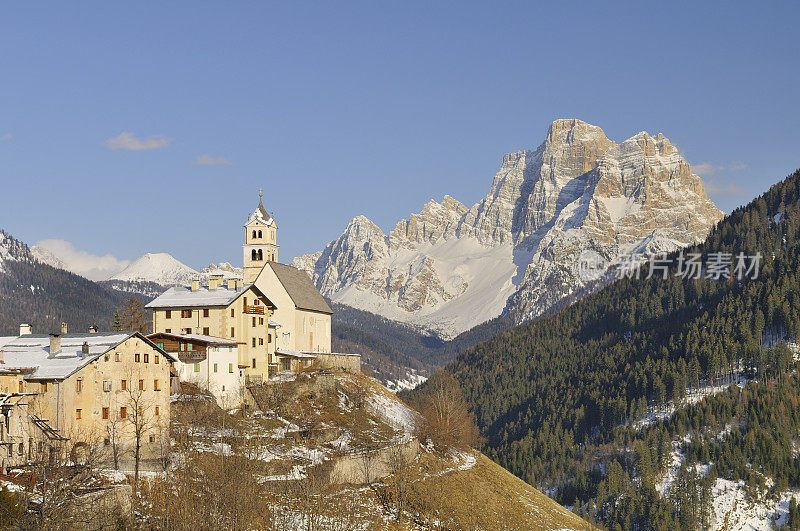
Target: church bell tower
{"x":260,"y":241}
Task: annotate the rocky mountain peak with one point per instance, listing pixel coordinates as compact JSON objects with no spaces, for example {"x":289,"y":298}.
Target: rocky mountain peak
{"x":515,"y":250}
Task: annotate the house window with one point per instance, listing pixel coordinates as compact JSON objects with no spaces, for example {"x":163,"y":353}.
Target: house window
{"x":231,"y":331}
{"x":105,"y":413}
{"x":230,"y":368}
{"x":105,"y":358}
{"x":152,"y":438}
{"x":215,"y":367}
{"x":155,"y":359}
{"x":168,"y":314}
{"x":261,"y":320}
{"x":196,"y":367}
{"x":141,"y":411}
{"x":245,"y":301}
{"x":146,"y":357}
{"x":232,"y":312}
{"x":260,"y":340}
{"x":205,"y":312}
{"x":116,"y":356}
{"x":141,"y":385}
{"x":168,"y":330}
{"x":205,"y":331}
{"x":160,"y":345}
{"x":123,"y":412}
{"x":255,"y":302}
{"x":158,"y":411}
{"x":223,"y":388}
{"x":124,"y":385}
{"x":44,"y":387}
{"x":254,"y":321}
{"x":107,"y":386}
{"x":186,"y":313}
{"x":78,"y":413}
{"x":136,"y":357}
{"x":22,"y":386}
{"x":78,"y":385}
{"x":254,"y":341}
{"x":155,"y":386}
{"x":269,"y":338}
{"x":188,"y":330}
{"x":21,"y":449}
{"x":254,"y":363}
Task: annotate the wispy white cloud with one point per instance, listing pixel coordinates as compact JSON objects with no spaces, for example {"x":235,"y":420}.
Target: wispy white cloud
{"x":127,"y":140}
{"x":5,"y":137}
{"x":80,"y":262}
{"x":207,"y":160}
{"x":707,"y":169}
{"x":730,"y":189}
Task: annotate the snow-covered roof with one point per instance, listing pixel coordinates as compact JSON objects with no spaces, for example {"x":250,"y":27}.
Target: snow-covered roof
{"x":261,"y":215}
{"x":31,"y":353}
{"x":273,"y":324}
{"x":295,"y":354}
{"x":212,"y":340}
{"x":183,"y":296}
{"x":4,"y":340}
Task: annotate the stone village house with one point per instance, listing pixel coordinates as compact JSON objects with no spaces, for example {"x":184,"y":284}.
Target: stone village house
{"x":88,"y":388}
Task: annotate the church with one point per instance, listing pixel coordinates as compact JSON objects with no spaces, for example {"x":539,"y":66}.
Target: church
{"x":276,"y":315}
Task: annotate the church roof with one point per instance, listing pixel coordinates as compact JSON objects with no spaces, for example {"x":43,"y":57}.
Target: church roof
{"x":302,"y":291}
{"x":261,"y":215}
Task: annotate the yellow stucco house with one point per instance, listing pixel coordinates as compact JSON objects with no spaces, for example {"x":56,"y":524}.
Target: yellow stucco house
{"x":96,"y":389}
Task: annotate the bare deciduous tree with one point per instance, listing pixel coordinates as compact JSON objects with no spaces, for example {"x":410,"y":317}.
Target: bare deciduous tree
{"x":134,"y":317}
{"x":447,"y":418}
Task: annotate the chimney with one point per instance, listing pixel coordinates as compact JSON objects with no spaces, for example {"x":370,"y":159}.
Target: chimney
{"x":231,"y":283}
{"x":213,"y":283}
{"x":93,"y":329}
{"x":63,"y":328}
{"x":195,"y":285}
{"x":25,"y":329}
{"x":55,"y":344}
{"x":84,"y":348}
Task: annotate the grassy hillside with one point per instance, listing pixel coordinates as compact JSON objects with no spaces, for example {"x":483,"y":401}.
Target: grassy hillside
{"x":283,"y":462}
{"x":550,"y":395}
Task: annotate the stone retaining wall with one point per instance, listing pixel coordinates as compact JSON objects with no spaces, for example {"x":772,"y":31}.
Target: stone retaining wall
{"x":372,"y":465}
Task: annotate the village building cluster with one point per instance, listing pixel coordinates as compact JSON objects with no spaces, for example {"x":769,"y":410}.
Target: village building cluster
{"x":111,"y":390}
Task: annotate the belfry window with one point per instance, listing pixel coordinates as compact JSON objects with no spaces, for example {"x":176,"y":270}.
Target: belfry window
{"x":260,"y":254}
{"x":254,"y":234}
{"x":259,"y":234}
{"x":254,"y":255}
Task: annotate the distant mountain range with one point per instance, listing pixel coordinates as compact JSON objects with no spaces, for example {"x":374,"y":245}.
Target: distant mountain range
{"x":450,"y":267}
{"x":148,"y":275}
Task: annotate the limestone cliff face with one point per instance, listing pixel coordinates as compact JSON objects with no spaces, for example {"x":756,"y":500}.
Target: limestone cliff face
{"x":450,"y":267}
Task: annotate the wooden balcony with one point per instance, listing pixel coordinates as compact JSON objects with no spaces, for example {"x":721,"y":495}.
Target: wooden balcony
{"x":258,"y":310}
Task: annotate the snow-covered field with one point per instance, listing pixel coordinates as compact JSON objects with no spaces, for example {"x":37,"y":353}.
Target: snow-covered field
{"x":480,"y":278}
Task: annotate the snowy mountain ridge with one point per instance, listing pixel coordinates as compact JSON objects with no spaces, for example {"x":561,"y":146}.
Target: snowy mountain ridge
{"x":161,"y":268}
{"x":450,"y":267}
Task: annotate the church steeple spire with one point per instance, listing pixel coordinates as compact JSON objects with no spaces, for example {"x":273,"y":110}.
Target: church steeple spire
{"x":260,"y":240}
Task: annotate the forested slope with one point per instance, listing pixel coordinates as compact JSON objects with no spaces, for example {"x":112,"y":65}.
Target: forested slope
{"x":548,"y":395}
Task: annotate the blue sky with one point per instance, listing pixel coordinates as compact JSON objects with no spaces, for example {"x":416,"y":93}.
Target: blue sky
{"x":340,"y":109}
